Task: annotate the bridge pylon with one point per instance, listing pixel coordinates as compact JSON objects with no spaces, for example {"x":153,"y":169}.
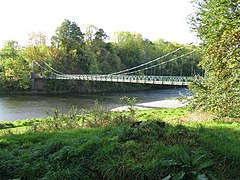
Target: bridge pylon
{"x":37,"y":82}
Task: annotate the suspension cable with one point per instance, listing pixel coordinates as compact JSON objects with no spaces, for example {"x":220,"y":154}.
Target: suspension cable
{"x":53,"y":69}
{"x":125,"y":71}
{"x":160,"y":63}
{"x":56,"y":72}
{"x":154,"y":60}
{"x":39,"y":64}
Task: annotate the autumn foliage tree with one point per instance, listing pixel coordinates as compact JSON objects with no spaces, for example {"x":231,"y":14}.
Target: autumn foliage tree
{"x":217,"y":25}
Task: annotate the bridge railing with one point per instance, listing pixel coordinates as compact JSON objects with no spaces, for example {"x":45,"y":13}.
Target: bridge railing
{"x":167,"y":80}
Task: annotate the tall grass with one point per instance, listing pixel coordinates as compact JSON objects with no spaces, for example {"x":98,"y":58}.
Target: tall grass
{"x":100,"y":144}
{"x":122,"y":152}
{"x":97,"y":116}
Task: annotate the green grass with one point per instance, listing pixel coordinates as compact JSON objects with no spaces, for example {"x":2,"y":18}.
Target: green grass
{"x":162,"y":113}
{"x":94,"y":115}
{"x":162,"y":146}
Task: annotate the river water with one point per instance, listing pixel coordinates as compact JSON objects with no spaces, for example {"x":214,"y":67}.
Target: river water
{"x":18,"y":107}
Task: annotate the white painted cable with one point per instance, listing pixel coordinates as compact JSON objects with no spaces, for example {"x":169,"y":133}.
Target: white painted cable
{"x":160,"y":63}
{"x":154,"y":60}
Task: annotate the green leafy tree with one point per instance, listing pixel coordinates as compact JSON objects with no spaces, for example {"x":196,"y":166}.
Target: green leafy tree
{"x":130,"y":48}
{"x":217,"y":25}
{"x":16,"y":69}
{"x":105,"y":58}
{"x":106,"y":55}
{"x":69,"y":41}
{"x":9,"y":50}
{"x":37,"y":50}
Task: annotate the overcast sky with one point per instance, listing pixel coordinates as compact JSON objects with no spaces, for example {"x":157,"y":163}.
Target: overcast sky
{"x":154,"y":19}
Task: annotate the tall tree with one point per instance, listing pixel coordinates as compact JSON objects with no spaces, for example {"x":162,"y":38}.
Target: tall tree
{"x":37,"y":50}
{"x":105,"y":59}
{"x":69,"y":41}
{"x":9,"y":50}
{"x":130,"y":48}
{"x":16,"y":69}
{"x":217,"y":25}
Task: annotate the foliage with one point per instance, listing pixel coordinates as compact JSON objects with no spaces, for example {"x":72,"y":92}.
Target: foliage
{"x":91,"y":116}
{"x":152,"y":149}
{"x":73,"y":51}
{"x":97,"y":116}
{"x":59,"y":121}
{"x":15,"y":68}
{"x":131,"y":102}
{"x":188,"y":165}
{"x":37,"y":48}
{"x":69,"y":42}
{"x":217,"y":25}
{"x":131,"y":48}
{"x":104,"y":153}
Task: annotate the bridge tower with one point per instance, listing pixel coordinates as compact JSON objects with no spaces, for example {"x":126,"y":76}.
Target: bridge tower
{"x":37,"y":82}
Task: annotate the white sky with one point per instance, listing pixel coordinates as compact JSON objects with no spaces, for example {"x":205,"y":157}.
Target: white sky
{"x":154,"y":19}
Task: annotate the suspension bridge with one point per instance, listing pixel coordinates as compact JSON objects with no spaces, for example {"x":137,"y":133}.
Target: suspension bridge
{"x":130,"y":75}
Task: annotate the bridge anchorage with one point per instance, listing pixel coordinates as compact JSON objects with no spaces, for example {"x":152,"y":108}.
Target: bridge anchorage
{"x":126,"y":76}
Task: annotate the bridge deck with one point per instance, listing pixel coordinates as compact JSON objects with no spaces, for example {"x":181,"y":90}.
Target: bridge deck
{"x":165,"y":80}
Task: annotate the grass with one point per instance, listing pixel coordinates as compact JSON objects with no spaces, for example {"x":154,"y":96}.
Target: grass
{"x":92,"y":118}
{"x":169,"y":143}
{"x":163,"y":114}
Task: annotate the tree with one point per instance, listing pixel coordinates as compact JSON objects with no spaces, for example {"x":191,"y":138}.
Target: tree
{"x":92,"y":33}
{"x":217,"y":25}
{"x":130,"y":48}
{"x":69,"y":41}
{"x":104,"y":59}
{"x":36,"y":48}
{"x":107,"y":57}
{"x":15,"y":67}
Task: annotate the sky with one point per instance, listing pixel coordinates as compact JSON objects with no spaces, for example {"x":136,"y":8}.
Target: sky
{"x":154,"y":19}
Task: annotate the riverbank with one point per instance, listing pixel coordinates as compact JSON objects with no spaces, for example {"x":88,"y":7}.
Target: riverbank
{"x":149,"y":144}
{"x":78,"y":87}
{"x":168,"y":103}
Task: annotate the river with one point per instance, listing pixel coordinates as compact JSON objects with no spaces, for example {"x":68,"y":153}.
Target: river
{"x":18,"y":107}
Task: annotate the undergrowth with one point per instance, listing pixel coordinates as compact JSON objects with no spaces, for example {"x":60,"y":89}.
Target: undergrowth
{"x":100,"y":144}
{"x":123,"y":152}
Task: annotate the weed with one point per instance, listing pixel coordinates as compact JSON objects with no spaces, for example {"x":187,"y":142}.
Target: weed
{"x":131,"y":102}
{"x":113,"y":149}
{"x":188,"y":165}
{"x":97,"y":116}
{"x":58,"y":121}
